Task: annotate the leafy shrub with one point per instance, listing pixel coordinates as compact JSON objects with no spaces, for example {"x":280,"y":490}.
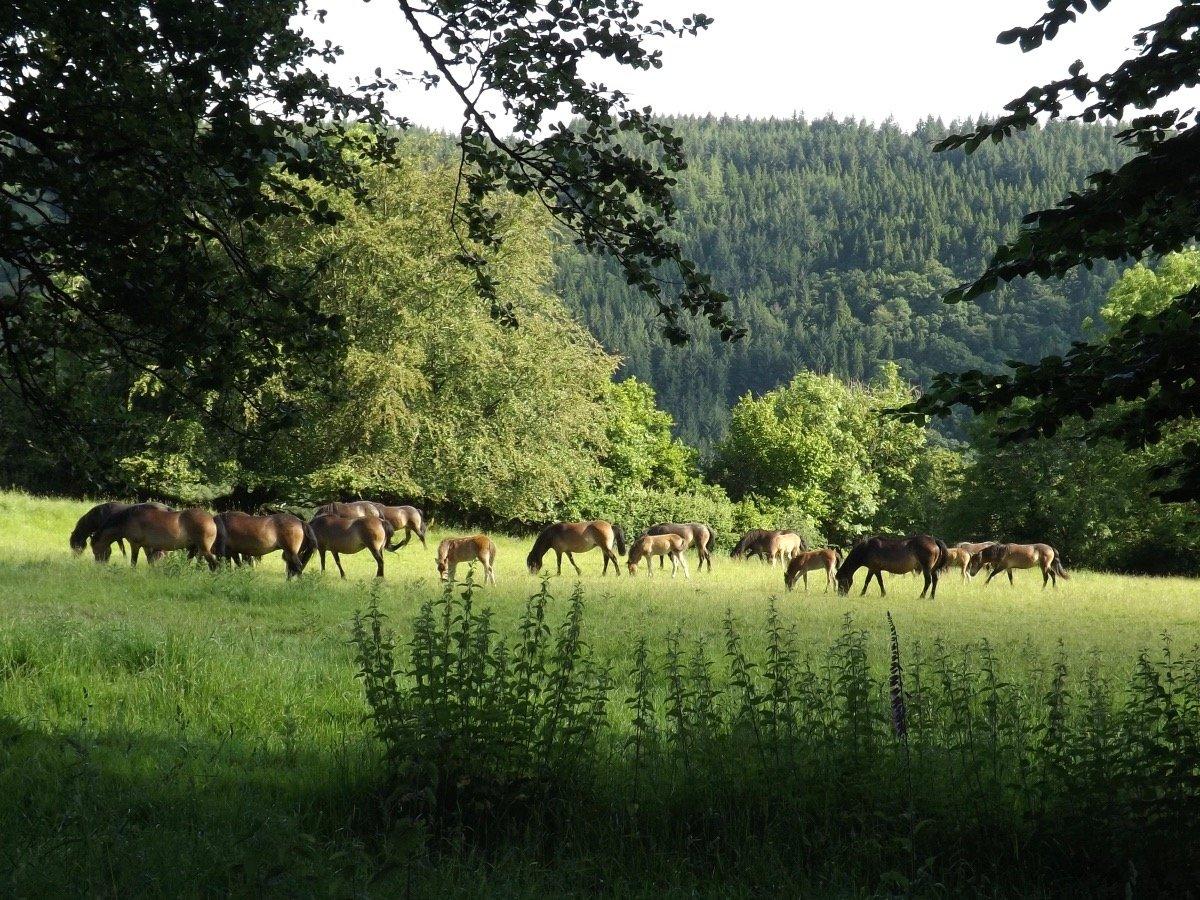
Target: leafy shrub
{"x":1049,"y":782}
{"x":470,"y":724}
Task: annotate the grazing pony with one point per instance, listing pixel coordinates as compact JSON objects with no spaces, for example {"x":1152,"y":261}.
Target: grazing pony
{"x":158,"y":530}
{"x":763,"y":543}
{"x":661,"y":545}
{"x":896,"y":555}
{"x":1006,"y":557}
{"x":702,"y":535}
{"x":408,"y":519}
{"x":340,"y":534}
{"x":355,"y":509}
{"x":453,"y":551}
{"x":809,"y":561}
{"x":93,"y":520}
{"x":958,"y":558}
{"x":578,"y":537}
{"x":246,"y":537}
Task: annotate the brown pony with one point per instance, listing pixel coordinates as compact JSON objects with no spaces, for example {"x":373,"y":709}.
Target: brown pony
{"x":896,"y":555}
{"x":808,"y":561}
{"x":763,"y":543}
{"x":660,"y":545}
{"x":248,"y":537}
{"x":783,"y":545}
{"x":93,"y":520}
{"x":973,"y":548}
{"x":578,"y":537}
{"x":698,"y":533}
{"x":355,"y":509}
{"x":341,"y":534}
{"x":157,"y":530}
{"x":1006,"y":557}
{"x":408,"y":519}
{"x":958,"y":558}
{"x":453,"y":551}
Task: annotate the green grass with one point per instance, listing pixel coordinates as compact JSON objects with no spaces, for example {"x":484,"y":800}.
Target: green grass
{"x":168,"y":730}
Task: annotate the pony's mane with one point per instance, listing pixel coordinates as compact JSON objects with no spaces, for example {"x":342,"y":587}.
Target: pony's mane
{"x":540,"y":546}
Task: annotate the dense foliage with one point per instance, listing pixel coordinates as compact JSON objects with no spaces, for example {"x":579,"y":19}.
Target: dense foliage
{"x":1091,"y":495}
{"x":143,"y":147}
{"x":822,"y":452}
{"x":948,"y":773}
{"x":836,"y":241}
{"x":1139,"y":383}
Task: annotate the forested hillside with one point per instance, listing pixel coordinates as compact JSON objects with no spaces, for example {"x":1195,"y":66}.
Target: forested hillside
{"x":836,"y":241}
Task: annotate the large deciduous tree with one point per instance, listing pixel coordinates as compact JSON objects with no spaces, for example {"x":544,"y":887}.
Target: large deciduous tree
{"x":143,"y":145}
{"x":1145,"y":371}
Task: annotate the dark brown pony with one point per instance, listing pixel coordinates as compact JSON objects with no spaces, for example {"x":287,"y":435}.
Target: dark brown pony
{"x":93,"y":520}
{"x":1006,"y":557}
{"x":809,"y":561}
{"x":408,"y":519}
{"x":896,"y":555}
{"x":698,"y":533}
{"x":765,"y":544}
{"x":248,"y":537}
{"x":344,"y":534}
{"x":158,"y":531}
{"x":578,"y":537}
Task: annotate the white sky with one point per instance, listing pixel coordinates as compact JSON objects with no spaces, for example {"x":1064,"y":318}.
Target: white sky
{"x":868,"y":59}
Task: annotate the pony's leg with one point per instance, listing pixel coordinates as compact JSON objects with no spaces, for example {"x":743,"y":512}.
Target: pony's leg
{"x":338,"y":561}
{"x":407,"y":537}
{"x":133,"y":555}
{"x":995,"y":571}
{"x":683,"y":564}
{"x":867,"y":583}
{"x":377,"y":552}
{"x":291,"y":564}
{"x":422,"y":537}
{"x":121,"y":544}
{"x":578,"y":571}
{"x":805,"y":575}
{"x":879,"y":578}
{"x":321,"y":550}
{"x":1010,"y":581}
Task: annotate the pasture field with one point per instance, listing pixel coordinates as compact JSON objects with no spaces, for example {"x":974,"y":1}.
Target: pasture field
{"x":172,"y":731}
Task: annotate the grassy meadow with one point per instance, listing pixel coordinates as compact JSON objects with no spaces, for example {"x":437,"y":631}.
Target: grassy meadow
{"x":167,"y":730}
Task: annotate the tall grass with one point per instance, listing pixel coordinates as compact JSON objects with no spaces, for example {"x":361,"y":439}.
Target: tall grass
{"x":173,"y":731}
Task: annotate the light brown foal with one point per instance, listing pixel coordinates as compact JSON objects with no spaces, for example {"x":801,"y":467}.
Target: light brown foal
{"x":649,"y":546}
{"x":811,"y":561}
{"x":453,"y":551}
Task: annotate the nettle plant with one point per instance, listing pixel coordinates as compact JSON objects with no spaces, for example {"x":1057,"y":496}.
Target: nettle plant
{"x":472,"y":724}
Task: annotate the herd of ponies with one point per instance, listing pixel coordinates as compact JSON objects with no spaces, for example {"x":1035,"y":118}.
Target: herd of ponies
{"x":347,"y":528}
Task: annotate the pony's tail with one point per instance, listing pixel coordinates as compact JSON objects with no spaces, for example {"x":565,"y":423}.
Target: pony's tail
{"x":1057,"y":566}
{"x":424,"y":525}
{"x":943,"y":555}
{"x":388,"y":531}
{"x":712,"y":539}
{"x":221,"y":546}
{"x":619,"y":534}
{"x":309,"y":545}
